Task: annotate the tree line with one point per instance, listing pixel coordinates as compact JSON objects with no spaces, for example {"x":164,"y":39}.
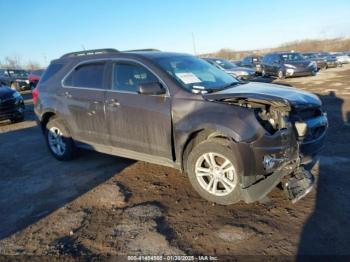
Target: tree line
{"x":16,"y":62}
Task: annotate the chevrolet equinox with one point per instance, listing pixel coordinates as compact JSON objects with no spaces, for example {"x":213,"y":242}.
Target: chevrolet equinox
{"x":236,"y":141}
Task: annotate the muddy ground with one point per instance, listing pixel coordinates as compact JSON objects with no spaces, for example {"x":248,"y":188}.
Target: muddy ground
{"x":104,"y":205}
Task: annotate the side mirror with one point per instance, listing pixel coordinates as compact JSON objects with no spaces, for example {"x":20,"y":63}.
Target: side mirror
{"x":151,"y":89}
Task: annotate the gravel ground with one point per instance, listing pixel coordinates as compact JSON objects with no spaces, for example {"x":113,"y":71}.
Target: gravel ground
{"x":100,"y":205}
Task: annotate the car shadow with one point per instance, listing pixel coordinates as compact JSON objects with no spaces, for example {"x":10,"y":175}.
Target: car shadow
{"x":327,"y":230}
{"x":34,"y":184}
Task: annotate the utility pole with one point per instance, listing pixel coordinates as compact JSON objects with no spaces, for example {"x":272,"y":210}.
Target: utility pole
{"x":194,"y":44}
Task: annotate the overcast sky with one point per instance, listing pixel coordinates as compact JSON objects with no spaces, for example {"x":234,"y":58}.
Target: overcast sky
{"x":41,"y":30}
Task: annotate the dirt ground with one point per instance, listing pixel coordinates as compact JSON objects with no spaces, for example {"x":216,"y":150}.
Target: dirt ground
{"x":100,"y":205}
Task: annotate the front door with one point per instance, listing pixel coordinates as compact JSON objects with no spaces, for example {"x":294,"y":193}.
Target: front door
{"x":140,"y":123}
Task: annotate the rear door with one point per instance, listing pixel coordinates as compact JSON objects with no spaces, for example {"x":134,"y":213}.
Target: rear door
{"x":84,"y":95}
{"x":141,"y":123}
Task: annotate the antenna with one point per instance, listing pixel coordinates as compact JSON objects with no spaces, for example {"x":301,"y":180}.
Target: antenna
{"x":194,"y":44}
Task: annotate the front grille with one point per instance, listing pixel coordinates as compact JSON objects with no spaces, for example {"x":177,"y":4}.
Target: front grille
{"x":7,"y":104}
{"x":305,"y":114}
{"x":314,"y":118}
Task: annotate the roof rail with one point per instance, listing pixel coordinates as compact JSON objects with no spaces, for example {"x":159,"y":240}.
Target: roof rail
{"x":91,"y":52}
{"x":142,"y":50}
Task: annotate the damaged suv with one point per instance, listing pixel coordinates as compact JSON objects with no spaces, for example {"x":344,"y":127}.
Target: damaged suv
{"x":236,"y":141}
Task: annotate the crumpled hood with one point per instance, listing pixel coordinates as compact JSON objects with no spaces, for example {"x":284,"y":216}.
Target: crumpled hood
{"x":269,"y":93}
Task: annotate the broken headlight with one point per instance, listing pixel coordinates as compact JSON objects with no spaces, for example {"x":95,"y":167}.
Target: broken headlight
{"x":272,"y":119}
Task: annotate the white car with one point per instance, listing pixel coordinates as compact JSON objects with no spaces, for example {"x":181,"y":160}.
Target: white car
{"x":343,"y":58}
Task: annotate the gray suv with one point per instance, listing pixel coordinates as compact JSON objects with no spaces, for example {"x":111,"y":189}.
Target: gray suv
{"x":236,"y":141}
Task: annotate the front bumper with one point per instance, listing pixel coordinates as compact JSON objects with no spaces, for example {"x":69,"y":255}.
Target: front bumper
{"x":290,"y":72}
{"x":11,"y":109}
{"x":289,"y":153}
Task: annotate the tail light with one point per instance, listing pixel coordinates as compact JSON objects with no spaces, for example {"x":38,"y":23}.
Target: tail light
{"x":35,"y":94}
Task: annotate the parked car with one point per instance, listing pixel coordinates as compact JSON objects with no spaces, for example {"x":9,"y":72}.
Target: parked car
{"x":17,"y":79}
{"x":34,"y":77}
{"x":320,"y":61}
{"x":232,"y":69}
{"x":343,"y":58}
{"x":236,"y":140}
{"x":287,"y":64}
{"x":11,"y":104}
{"x":253,"y":62}
{"x":331,"y":60}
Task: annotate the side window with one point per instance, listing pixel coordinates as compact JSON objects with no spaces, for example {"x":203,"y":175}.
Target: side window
{"x":127,"y":77}
{"x":87,"y":75}
{"x":51,"y":71}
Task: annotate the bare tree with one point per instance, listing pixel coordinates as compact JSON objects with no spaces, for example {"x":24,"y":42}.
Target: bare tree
{"x":32,"y":65}
{"x":12,"y":62}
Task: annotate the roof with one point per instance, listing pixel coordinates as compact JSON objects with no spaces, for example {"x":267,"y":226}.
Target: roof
{"x":113,"y":53}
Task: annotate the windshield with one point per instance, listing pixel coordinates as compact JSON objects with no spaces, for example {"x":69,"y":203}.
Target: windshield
{"x":291,"y":57}
{"x":194,"y":73}
{"x":18,"y":73}
{"x":227,"y":65}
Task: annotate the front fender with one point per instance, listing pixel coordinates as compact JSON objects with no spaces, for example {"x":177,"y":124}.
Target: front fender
{"x":235,"y":122}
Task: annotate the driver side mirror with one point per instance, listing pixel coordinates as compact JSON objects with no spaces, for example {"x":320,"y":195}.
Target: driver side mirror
{"x":154,"y":88}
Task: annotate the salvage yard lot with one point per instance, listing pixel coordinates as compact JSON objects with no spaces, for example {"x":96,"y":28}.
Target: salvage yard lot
{"x":105,"y":205}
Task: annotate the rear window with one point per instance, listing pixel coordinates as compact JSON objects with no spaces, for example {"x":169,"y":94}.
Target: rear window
{"x":51,"y":71}
{"x":87,"y":75}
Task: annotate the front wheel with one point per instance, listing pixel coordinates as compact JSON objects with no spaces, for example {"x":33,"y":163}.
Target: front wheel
{"x":214,"y":172}
{"x":59,"y":140}
{"x":280,"y":74}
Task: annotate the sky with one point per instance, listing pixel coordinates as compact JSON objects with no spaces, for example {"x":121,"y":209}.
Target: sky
{"x":41,"y":30}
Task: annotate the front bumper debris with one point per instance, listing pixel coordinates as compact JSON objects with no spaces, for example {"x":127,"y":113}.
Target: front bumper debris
{"x":299,"y":185}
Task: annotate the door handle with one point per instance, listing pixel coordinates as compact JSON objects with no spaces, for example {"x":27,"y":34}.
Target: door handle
{"x":67,"y":94}
{"x":113,"y":103}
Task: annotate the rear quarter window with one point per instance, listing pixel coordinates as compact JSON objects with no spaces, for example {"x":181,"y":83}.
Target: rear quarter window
{"x":51,"y":71}
{"x":86,"y":75}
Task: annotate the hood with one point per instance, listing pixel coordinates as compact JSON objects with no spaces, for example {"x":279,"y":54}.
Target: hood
{"x":300,"y":63}
{"x":267,"y":93}
{"x":5,"y":92}
{"x":240,"y":69}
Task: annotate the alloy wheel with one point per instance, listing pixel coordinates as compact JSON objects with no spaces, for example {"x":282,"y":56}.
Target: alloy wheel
{"x":56,"y":143}
{"x":216,"y":174}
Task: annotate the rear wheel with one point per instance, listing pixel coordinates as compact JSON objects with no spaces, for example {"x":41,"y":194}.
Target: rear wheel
{"x":213,"y":171}
{"x":59,"y":140}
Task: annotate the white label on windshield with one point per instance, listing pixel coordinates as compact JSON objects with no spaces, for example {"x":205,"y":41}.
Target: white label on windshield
{"x":188,"y":78}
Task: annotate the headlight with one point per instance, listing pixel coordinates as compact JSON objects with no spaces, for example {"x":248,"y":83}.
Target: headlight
{"x":241,"y":73}
{"x":312,"y":64}
{"x":289,"y":66}
{"x":27,"y":81}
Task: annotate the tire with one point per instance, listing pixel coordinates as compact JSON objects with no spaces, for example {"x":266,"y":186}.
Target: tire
{"x":201,"y":176}
{"x":280,"y":74}
{"x":263,"y":73}
{"x":59,"y":140}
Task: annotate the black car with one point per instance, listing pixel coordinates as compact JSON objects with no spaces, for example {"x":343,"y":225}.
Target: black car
{"x":235,"y":140}
{"x":320,"y":61}
{"x":287,"y":64}
{"x":17,"y":79}
{"x":253,"y":62}
{"x":11,"y":104}
{"x":242,"y":73}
